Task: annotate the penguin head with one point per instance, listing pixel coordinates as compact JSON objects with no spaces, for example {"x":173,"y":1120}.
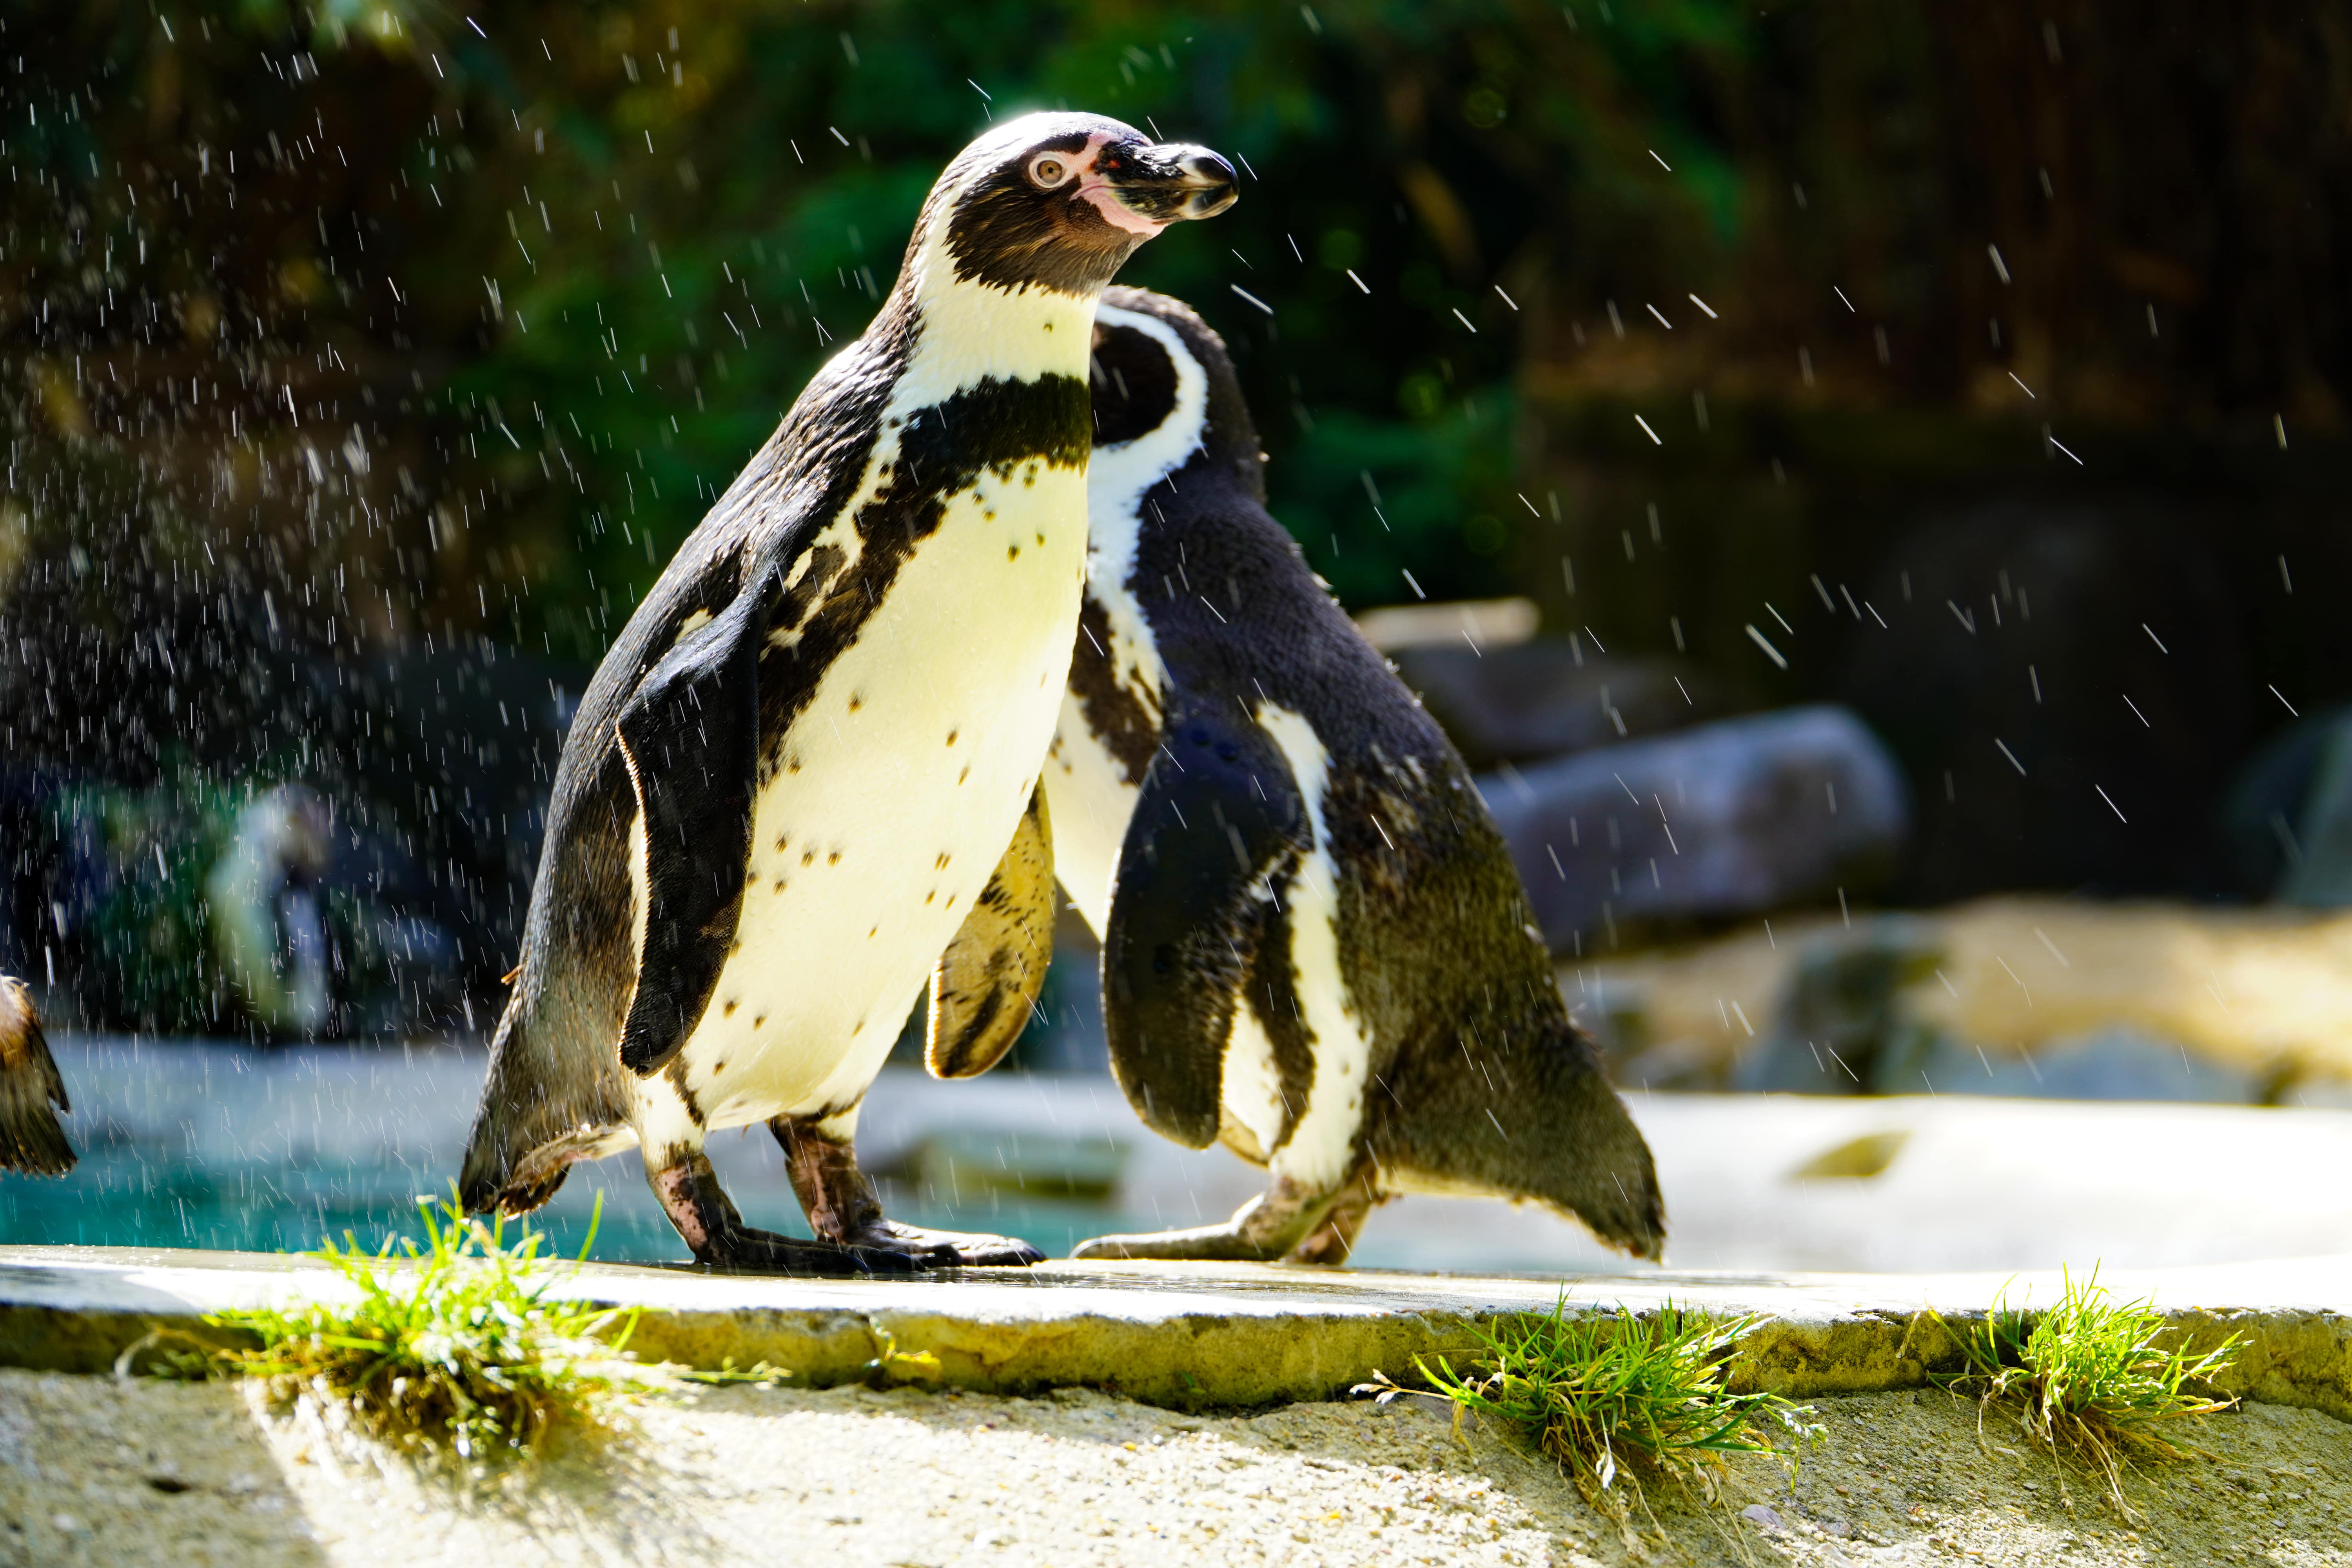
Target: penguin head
{"x":1165,"y":391}
{"x":1059,"y":201}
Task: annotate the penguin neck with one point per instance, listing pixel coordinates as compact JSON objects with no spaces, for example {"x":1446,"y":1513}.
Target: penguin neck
{"x":961,"y":331}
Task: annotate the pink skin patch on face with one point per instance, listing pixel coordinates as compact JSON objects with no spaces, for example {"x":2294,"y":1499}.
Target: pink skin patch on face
{"x":1095,"y":190}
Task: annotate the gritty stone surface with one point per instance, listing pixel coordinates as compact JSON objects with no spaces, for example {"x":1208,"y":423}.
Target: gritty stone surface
{"x":93,"y":1471}
{"x":1192,"y":1335}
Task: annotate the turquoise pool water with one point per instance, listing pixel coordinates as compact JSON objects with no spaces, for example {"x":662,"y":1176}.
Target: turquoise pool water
{"x":196,"y":1144}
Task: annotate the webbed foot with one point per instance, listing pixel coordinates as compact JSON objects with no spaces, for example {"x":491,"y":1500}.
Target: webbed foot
{"x":1291,"y":1221}
{"x":945,"y":1248}
{"x":767,"y":1252}
{"x":842,"y":1207}
{"x":1208,"y":1243}
{"x":715,"y":1233}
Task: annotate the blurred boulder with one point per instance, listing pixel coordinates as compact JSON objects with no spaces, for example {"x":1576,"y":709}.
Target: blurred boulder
{"x":1851,"y":1020}
{"x":1483,"y":622}
{"x":2263,"y":813}
{"x":1841,"y":1026}
{"x":2121,"y":1063}
{"x":2039,"y":997}
{"x":1518,"y":703}
{"x":2035,"y":656}
{"x":1733,"y":817}
{"x":2289,"y":815}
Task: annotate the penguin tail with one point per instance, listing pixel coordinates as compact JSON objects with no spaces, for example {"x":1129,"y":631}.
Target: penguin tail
{"x":1601,"y":1169}
{"x":539,"y":1116}
{"x":1538,"y":1123}
{"x":32,"y":1091}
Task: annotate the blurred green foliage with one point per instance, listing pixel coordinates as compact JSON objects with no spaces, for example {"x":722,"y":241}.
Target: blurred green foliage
{"x":356,"y":330}
{"x":561,"y":268}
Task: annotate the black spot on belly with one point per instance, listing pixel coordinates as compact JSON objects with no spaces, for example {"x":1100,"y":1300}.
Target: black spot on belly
{"x":1013,"y":552}
{"x":951,"y":736}
{"x":833,"y":858}
{"x":856,"y":702}
{"x":732,"y":1001}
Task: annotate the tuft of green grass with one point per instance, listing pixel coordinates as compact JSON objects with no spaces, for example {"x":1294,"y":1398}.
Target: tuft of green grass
{"x":1606,"y":1391}
{"x":2090,"y":1377}
{"x":452,"y":1344}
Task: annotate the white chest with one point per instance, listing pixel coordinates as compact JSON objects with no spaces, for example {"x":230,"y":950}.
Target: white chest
{"x":901,"y":782}
{"x":1091,"y":801}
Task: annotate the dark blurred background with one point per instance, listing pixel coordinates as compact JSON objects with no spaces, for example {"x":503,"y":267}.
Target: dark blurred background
{"x":1978,"y":368}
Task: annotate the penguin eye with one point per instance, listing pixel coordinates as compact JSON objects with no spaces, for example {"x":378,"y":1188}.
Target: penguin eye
{"x":1047,"y":170}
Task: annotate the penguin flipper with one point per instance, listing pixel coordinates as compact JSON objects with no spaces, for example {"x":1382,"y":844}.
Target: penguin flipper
{"x":1219,"y":813}
{"x":691,"y":735}
{"x":32,"y":1091}
{"x":987,"y":981}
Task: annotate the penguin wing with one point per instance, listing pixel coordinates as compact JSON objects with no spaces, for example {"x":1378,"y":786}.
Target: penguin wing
{"x":691,"y":735}
{"x":32,"y":1091}
{"x":1218,"y":816}
{"x":987,"y":981}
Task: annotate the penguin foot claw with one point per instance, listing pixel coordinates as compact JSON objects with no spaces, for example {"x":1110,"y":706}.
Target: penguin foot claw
{"x":944,"y":1248}
{"x":749,"y":1251}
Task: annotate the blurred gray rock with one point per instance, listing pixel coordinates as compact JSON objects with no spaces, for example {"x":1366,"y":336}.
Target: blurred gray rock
{"x":1841,"y":1026}
{"x":1739,"y":817}
{"x":2112,"y":1064}
{"x":2288,"y":815}
{"x":1544,"y":698}
{"x":2319,"y":862}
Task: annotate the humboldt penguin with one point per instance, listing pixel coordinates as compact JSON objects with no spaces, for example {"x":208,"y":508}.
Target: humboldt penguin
{"x":790,"y":793}
{"x":32,"y":1091}
{"x":1315,"y":948}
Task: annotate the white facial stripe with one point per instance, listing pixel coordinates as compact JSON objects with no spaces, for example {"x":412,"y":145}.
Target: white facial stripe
{"x":1117,"y":476}
{"x":1323,"y":1143}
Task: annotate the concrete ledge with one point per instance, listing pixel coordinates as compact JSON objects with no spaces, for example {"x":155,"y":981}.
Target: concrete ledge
{"x":1202,"y":1335}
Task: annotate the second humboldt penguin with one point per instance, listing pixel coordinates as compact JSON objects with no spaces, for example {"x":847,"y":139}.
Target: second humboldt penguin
{"x":1315,"y":947}
{"x":793,"y":780}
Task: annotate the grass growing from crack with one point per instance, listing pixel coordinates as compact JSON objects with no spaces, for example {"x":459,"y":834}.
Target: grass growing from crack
{"x":451,"y":1343}
{"x":1609,"y":1393}
{"x":2090,"y":1377}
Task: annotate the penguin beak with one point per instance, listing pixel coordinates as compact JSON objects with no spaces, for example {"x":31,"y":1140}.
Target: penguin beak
{"x":1145,"y":186}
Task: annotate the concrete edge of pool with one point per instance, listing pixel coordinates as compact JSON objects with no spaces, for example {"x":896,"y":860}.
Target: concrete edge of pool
{"x":1222,"y":1334}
